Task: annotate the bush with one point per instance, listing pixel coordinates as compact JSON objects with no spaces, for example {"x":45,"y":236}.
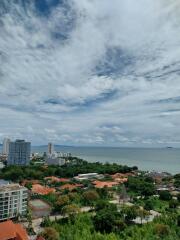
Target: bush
{"x":173,"y":203}
{"x":149,"y":205}
{"x":161,"y":230}
{"x":50,"y":234}
{"x":90,"y":197}
{"x":165,"y":195}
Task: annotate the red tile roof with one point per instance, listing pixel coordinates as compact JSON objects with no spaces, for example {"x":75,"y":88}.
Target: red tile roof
{"x":64,"y":179}
{"x":9,"y":230}
{"x":21,"y":232}
{"x":70,"y":186}
{"x":39,"y":189}
{"x":122,"y":175}
{"x":100,"y":184}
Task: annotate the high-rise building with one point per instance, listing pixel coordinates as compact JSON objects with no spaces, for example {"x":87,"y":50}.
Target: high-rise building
{"x":19,"y":153}
{"x":13,"y":201}
{"x":6,"y":142}
{"x":50,"y":148}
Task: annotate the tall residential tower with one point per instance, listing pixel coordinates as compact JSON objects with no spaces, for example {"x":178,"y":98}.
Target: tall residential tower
{"x":50,"y":148}
{"x":5,"y":149}
{"x":19,"y":153}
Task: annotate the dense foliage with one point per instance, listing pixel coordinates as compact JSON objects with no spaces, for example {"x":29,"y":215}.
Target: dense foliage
{"x":74,"y":167}
{"x":105,"y":226}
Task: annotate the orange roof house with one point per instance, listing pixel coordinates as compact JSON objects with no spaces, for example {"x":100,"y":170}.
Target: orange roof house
{"x":122,"y":177}
{"x":99,"y":184}
{"x":41,"y":190}
{"x":70,"y":187}
{"x":9,"y":231}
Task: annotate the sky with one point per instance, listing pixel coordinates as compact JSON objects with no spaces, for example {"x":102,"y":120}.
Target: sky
{"x":90,"y":72}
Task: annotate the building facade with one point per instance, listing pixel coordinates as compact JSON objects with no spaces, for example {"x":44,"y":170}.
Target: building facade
{"x":50,"y":148}
{"x":6,"y":142}
{"x":13,"y":201}
{"x":55,"y":159}
{"x":19,"y":153}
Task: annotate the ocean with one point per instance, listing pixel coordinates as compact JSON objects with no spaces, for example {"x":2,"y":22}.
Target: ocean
{"x":148,"y":159}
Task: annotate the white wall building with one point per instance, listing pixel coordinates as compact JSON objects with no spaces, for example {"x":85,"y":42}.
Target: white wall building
{"x":13,"y":201}
{"x":55,"y":159}
{"x":87,"y":176}
{"x":5,"y":149}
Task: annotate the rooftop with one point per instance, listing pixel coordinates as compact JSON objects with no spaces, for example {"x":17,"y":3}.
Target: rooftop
{"x":9,"y":230}
{"x":39,"y":189}
{"x":99,"y":184}
{"x":122,"y":175}
{"x":70,"y":186}
{"x":11,"y":187}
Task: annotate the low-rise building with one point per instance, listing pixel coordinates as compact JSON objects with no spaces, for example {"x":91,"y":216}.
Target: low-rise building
{"x":88,"y":176}
{"x":13,"y":201}
{"x":158,"y":176}
{"x":122,"y":177}
{"x":41,"y":190}
{"x":70,"y":187}
{"x":12,"y":231}
{"x":100,"y":184}
{"x":55,"y":159}
{"x":54,"y":179}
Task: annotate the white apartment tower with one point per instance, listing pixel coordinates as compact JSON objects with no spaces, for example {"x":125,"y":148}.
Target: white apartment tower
{"x":13,"y":201}
{"x":6,"y":142}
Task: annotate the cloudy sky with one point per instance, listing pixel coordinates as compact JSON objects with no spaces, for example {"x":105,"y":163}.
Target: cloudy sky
{"x":90,"y":72}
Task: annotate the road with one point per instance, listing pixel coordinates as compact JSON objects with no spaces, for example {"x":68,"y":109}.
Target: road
{"x":36,"y":223}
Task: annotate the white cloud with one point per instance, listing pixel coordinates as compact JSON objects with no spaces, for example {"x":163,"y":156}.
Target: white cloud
{"x":50,"y":89}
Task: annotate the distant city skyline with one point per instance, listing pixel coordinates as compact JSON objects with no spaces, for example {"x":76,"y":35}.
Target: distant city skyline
{"x":90,"y":73}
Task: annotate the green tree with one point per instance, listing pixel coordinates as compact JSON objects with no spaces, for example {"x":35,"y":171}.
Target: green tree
{"x":46,"y":222}
{"x":162,"y":230}
{"x":29,"y":220}
{"x":28,"y":185}
{"x":50,"y":233}
{"x":105,"y":220}
{"x":149,"y":205}
{"x":178,"y":197}
{"x":129,"y":213}
{"x":173,"y":203}
{"x":90,"y":197}
{"x":101,"y":204}
{"x":61,"y":202}
{"x":142,"y":214}
{"x":178,"y":220}
{"x":71,"y":209}
{"x":165,"y":195}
